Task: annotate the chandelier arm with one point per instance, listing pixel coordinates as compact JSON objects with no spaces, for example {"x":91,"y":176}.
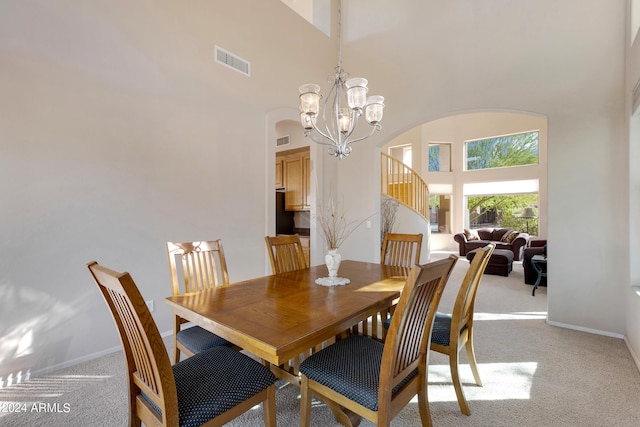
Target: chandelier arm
{"x":319,"y":141}
{"x":376,"y":127}
{"x":325,"y":135}
{"x":333,"y":125}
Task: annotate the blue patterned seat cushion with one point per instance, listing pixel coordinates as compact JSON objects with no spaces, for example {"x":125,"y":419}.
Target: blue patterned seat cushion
{"x":214,"y":381}
{"x":387,"y":323}
{"x":352,"y":368}
{"x":441,"y":329}
{"x":198,"y":339}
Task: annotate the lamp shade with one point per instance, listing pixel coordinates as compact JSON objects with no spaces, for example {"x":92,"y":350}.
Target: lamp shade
{"x":344,"y":119}
{"x":356,"y":93}
{"x":306,"y":120}
{"x":528,"y":213}
{"x":310,"y":99}
{"x":373,"y":112}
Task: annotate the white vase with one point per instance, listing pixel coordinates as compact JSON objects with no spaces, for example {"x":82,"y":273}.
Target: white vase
{"x":332,"y":260}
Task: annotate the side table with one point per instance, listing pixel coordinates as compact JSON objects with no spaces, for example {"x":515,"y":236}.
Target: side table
{"x":539,"y":264}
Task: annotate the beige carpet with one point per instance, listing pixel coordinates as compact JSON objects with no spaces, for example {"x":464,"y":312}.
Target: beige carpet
{"x":534,"y":375}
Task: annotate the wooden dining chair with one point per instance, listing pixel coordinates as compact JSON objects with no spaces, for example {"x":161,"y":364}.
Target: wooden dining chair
{"x":286,"y":253}
{"x":452,"y":332}
{"x":376,"y":380}
{"x":401,"y":250}
{"x":398,"y":250}
{"x":193,"y":267}
{"x":210,"y":388}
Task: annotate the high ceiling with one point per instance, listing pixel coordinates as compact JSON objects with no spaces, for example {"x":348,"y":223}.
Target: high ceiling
{"x":496,"y":54}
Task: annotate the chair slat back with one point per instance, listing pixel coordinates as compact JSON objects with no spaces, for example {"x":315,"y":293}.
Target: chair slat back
{"x":145,"y":353}
{"x":463,"y":307}
{"x":285,"y":253}
{"x":196,"y":266}
{"x":410,"y":330}
{"x":401,"y":250}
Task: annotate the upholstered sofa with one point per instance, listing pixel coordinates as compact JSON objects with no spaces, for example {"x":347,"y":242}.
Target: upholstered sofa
{"x":535,"y":247}
{"x":504,"y":238}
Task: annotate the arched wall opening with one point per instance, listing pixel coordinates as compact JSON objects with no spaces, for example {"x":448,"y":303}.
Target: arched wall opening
{"x":454,"y":182}
{"x":323,"y":176}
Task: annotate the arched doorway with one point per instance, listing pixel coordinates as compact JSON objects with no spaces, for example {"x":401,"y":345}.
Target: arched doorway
{"x":451,"y":181}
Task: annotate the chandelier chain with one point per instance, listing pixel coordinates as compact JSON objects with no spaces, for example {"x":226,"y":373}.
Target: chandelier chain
{"x":339,"y":34}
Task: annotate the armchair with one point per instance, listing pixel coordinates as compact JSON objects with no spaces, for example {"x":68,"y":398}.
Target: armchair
{"x":535,"y":247}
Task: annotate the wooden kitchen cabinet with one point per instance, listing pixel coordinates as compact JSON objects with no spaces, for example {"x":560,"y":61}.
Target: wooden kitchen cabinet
{"x":296,"y":179}
{"x":279,"y":172}
{"x":293,"y":183}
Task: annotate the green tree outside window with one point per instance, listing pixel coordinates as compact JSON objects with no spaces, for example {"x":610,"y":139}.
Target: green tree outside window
{"x":504,"y":210}
{"x":512,"y":150}
{"x":434,"y":158}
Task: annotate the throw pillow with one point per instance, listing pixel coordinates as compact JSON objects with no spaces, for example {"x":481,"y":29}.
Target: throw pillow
{"x":471,"y":234}
{"x":509,"y":236}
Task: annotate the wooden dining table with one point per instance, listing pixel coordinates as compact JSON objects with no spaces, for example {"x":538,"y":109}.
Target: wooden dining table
{"x":279,"y":317}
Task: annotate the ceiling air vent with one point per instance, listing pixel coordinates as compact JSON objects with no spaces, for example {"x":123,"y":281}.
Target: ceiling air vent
{"x":283,"y":140}
{"x":233,"y":61}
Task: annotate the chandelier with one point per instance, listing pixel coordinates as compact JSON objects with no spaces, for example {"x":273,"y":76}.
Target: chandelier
{"x":346,"y":101}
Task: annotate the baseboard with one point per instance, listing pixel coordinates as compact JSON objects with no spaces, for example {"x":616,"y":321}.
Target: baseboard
{"x":582,"y":329}
{"x":92,"y":356}
{"x":633,"y":354}
{"x":88,"y":357}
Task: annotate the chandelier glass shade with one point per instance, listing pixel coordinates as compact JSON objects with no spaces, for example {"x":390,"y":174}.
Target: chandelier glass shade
{"x":334,"y":122}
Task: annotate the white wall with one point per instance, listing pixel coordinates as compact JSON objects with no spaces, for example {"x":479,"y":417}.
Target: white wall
{"x":632,"y":295}
{"x":411,"y":222}
{"x":118,"y":132}
{"x":296,"y":135}
{"x":470,"y":58}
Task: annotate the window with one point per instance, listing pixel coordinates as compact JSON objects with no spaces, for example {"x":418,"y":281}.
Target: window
{"x":439,"y":157}
{"x":503,"y":151}
{"x":402,"y":152}
{"x":440,"y":213}
{"x":316,"y":12}
{"x":505,"y":211}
